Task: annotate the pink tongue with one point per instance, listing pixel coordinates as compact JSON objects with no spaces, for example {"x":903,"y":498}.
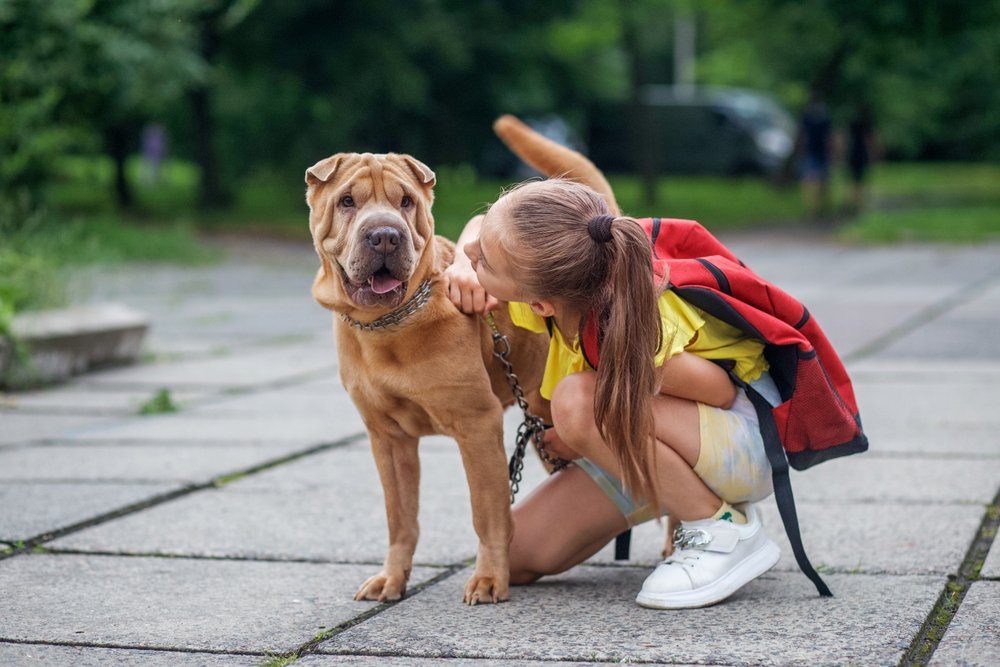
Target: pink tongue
{"x":383,"y":284}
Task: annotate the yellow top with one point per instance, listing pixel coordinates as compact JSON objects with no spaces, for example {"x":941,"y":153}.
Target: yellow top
{"x":685,"y":329}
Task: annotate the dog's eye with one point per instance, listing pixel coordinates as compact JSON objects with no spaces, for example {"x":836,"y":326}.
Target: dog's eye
{"x":348,"y":200}
{"x":406,"y":202}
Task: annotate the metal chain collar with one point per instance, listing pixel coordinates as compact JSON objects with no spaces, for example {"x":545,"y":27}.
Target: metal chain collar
{"x":415,"y":303}
{"x":532,"y":429}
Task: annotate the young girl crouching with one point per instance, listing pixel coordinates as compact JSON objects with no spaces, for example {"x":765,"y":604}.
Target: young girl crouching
{"x":657,"y":428}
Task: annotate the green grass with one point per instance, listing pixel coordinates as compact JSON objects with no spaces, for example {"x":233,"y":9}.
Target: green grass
{"x":937,"y":183}
{"x":952,"y":224}
{"x":161,"y":402}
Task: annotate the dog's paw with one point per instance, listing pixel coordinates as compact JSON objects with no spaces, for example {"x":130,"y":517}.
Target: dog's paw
{"x":382,"y":587}
{"x":485,"y":589}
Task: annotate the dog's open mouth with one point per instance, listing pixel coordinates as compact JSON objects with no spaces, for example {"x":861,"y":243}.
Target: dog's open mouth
{"x":381,"y":290}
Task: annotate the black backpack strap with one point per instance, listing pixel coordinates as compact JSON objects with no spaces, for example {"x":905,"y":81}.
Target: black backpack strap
{"x":783,"y":487}
{"x":622,"y":544}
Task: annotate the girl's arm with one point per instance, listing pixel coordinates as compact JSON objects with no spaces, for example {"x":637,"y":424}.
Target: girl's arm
{"x":689,"y":376}
{"x":460,"y":279}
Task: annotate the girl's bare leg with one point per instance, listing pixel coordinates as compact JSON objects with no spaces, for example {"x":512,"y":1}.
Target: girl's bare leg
{"x":678,"y":443}
{"x":560,"y":524}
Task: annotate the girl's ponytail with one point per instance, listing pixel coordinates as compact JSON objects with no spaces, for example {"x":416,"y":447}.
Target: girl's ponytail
{"x":564,"y":245}
{"x":630,"y":333}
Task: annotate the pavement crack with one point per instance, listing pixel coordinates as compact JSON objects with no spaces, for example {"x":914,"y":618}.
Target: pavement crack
{"x":282,"y":659}
{"x":30,"y":544}
{"x":961,"y":297}
{"x":936,"y":624}
{"x":126,"y":647}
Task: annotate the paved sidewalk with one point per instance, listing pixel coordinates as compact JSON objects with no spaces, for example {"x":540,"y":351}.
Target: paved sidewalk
{"x":238,"y":528}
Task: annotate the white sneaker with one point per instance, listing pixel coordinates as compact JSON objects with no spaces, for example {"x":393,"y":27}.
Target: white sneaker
{"x":710,"y":562}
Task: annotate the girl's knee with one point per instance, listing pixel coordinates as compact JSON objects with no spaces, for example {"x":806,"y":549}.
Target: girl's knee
{"x":573,"y":406}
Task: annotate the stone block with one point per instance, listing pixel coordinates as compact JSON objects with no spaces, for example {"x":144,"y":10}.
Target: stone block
{"x":589,"y":614}
{"x":69,"y":341}
{"x":18,"y":428}
{"x":973,"y":637}
{"x":326,"y":507}
{"x":184,"y":464}
{"x":866,"y":538}
{"x":195,"y":428}
{"x":245,"y":368}
{"x":326,"y":660}
{"x":32,"y":509}
{"x":991,"y":567}
{"x":42,"y":655}
{"x":78,"y":400}
{"x":178,"y":603}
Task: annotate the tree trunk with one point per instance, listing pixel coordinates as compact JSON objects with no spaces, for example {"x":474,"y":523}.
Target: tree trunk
{"x":117,"y":139}
{"x":638,"y":116}
{"x":211,"y":194}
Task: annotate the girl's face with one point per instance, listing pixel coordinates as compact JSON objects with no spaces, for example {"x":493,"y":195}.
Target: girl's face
{"x":490,"y":264}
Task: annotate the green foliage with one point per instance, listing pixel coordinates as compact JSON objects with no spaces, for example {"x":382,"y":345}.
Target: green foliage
{"x":930,"y":70}
{"x":69,"y":69}
{"x":160,"y":403}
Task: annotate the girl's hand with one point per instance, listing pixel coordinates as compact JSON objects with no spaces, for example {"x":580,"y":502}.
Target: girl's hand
{"x":460,"y":280}
{"x":554,"y":446}
{"x":463,"y":287}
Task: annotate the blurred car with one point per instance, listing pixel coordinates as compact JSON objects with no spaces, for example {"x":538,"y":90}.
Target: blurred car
{"x":700,"y":130}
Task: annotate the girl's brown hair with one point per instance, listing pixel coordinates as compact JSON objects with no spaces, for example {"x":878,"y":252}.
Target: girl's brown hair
{"x":549,"y":247}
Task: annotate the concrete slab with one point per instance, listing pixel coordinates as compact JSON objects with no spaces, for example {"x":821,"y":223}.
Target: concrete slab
{"x":18,"y":428}
{"x":941,"y":443}
{"x":870,"y":479}
{"x":326,"y":400}
{"x":888,"y":405}
{"x":19,"y":655}
{"x":973,"y":638}
{"x":867,"y":538}
{"x":32,"y":509}
{"x":969,"y":329}
{"x":74,"y":400}
{"x":326,"y":507}
{"x":244,"y":369}
{"x":316,"y":660}
{"x":178,"y":603}
{"x":181,"y":427}
{"x":936,"y":372}
{"x":137,"y":463}
{"x":589,"y":614}
{"x":991,"y":567}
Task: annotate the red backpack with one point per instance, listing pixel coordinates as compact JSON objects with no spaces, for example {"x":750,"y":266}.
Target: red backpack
{"x":818,"y":417}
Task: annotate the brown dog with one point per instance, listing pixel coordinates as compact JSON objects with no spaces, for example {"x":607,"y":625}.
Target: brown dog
{"x":413,"y":364}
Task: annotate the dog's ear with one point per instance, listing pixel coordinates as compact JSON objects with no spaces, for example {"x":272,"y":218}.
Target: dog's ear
{"x":323,"y":170}
{"x":420,"y":170}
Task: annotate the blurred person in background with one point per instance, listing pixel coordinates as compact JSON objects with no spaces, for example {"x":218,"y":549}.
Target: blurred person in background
{"x":862,"y":148}
{"x":814,"y":143}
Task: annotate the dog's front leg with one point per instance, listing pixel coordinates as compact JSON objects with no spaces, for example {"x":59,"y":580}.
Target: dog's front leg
{"x":399,"y":469}
{"x":481,"y":445}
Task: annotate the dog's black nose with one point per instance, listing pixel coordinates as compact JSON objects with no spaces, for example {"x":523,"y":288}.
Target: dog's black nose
{"x":383,"y":239}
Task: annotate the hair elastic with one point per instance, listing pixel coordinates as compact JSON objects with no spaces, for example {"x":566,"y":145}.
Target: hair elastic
{"x":600,"y":227}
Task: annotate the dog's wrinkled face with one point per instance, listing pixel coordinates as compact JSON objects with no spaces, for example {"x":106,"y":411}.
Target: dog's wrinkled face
{"x":370,"y":220}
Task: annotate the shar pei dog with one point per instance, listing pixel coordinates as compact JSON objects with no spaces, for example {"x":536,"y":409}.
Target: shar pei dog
{"x":413,"y":364}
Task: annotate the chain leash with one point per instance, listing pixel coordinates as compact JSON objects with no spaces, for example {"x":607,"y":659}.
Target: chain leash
{"x":532,"y":429}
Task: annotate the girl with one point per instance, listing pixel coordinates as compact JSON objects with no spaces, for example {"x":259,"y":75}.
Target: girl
{"x":658,"y":427}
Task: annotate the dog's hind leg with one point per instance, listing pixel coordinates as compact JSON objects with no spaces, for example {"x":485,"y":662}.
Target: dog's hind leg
{"x":399,"y":470}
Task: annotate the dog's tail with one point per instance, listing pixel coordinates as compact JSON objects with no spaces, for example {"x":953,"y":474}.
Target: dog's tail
{"x":552,"y":159}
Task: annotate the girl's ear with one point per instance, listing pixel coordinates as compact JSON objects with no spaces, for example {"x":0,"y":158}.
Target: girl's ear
{"x":543,"y":308}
